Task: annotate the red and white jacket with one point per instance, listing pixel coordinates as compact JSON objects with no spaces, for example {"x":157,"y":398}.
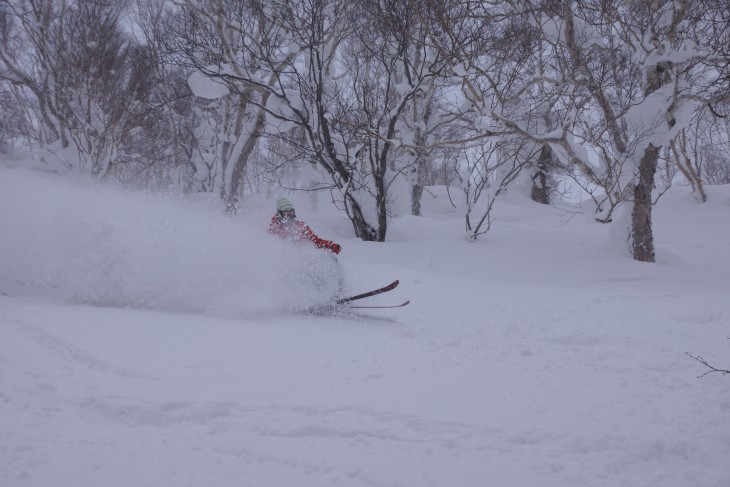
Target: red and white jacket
{"x":298,"y":232}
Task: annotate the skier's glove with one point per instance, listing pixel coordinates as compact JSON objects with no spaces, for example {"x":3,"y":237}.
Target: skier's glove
{"x":336,"y":248}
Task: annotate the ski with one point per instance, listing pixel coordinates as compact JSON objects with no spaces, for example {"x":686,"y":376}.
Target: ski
{"x":374,"y":292}
{"x":381,"y":306}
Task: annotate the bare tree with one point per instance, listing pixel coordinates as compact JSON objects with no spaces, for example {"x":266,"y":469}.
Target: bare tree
{"x":700,"y":151}
{"x":490,"y":47}
{"x":307,"y":65}
{"x":83,"y":72}
{"x":12,"y":125}
{"x":210,"y":40}
{"x":640,"y":87}
{"x":708,"y":146}
{"x":412,"y":79}
{"x":618,"y":75}
{"x":680,"y":151}
{"x":27,"y":58}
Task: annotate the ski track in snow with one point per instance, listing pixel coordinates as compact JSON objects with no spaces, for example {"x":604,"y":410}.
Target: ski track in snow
{"x":68,"y":353}
{"x":349,"y":445}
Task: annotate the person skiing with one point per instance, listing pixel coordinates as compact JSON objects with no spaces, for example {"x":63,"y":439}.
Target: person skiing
{"x":284,"y":224}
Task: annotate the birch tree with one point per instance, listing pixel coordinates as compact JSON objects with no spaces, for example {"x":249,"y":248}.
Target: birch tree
{"x":410,"y":79}
{"x":291,"y":67}
{"x":632,"y":61}
{"x":206,"y":38}
{"x":621,"y":78}
{"x":27,"y":59}
{"x":83,"y":72}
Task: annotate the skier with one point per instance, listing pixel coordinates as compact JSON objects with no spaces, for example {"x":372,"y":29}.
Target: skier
{"x":284,"y":224}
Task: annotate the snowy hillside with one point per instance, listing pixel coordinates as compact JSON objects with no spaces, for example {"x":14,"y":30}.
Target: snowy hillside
{"x":150,"y":341}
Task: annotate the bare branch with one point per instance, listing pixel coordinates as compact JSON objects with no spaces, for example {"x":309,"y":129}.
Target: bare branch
{"x":712,"y":368}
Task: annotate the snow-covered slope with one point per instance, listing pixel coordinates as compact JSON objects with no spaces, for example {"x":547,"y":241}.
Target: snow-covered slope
{"x":148,"y":341}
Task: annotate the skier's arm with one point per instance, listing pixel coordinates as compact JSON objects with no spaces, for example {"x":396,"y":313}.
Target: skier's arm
{"x":320,"y":242}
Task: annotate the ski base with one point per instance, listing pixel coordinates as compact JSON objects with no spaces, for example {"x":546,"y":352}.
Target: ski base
{"x":344,"y":309}
{"x":379,"y":306}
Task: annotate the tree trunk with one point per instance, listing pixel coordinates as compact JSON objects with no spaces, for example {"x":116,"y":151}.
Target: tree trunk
{"x":416,"y":193}
{"x":362,"y":228}
{"x":242,"y":160}
{"x":642,"y":237}
{"x":380,"y":199}
{"x":417,"y":177}
{"x":540,"y":191}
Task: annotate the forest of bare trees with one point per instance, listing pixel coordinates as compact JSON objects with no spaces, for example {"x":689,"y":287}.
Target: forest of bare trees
{"x":621,"y":98}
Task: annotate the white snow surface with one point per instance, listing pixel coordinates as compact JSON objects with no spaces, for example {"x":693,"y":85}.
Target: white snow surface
{"x":146,"y":340}
{"x":206,"y":87}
